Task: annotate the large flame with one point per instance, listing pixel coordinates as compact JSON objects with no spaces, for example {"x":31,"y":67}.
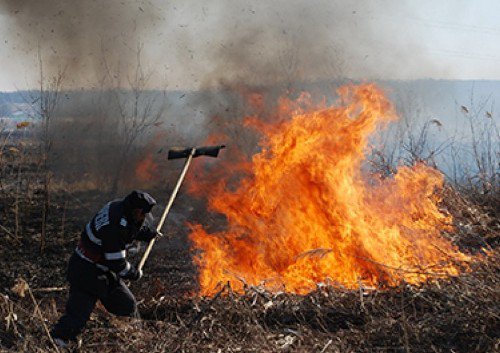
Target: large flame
{"x":307,"y":213}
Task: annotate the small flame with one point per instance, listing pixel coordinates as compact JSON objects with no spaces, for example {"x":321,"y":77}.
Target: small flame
{"x":306,"y":213}
{"x":146,"y":169}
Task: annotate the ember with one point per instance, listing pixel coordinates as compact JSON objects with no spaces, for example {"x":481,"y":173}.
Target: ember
{"x":307,"y":213}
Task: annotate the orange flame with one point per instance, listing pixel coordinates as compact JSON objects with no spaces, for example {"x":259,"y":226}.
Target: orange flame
{"x":146,"y":169}
{"x":307,"y":213}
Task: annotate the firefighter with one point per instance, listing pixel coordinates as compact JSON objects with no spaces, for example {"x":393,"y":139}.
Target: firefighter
{"x":98,"y":265}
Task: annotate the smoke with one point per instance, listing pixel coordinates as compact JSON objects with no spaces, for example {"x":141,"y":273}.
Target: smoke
{"x":283,"y":42}
{"x":202,"y":44}
{"x":224,"y":52}
{"x":78,"y":35}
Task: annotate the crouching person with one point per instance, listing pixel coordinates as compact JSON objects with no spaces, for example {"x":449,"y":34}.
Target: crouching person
{"x":98,"y":266}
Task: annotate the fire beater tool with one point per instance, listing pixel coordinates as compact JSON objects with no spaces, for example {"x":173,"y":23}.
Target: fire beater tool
{"x":176,"y":153}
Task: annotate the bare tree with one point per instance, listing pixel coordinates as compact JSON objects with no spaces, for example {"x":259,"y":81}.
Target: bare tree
{"x":138,"y":110}
{"x":4,"y":139}
{"x":47,"y":99}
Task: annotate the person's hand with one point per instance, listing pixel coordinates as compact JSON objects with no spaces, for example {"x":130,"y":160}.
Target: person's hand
{"x":154,"y":234}
{"x":133,"y":249}
{"x":133,"y":274}
{"x":139,"y":275}
{"x":146,"y":234}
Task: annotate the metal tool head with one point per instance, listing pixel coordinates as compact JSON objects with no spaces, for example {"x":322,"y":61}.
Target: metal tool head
{"x":184,"y":152}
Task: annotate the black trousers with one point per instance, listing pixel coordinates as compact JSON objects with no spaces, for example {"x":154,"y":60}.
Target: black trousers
{"x":88,"y":284}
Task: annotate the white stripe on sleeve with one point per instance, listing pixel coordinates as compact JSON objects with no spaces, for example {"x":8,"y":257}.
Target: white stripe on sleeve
{"x":115,"y":255}
{"x":125,"y":270}
{"x":91,"y":235}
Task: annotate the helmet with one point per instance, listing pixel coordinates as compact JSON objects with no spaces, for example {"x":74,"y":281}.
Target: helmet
{"x":139,"y":199}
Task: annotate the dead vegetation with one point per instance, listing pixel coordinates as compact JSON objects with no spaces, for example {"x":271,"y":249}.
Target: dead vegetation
{"x":459,"y":314}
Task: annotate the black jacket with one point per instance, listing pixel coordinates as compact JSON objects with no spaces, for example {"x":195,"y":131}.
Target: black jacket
{"x":105,"y":238}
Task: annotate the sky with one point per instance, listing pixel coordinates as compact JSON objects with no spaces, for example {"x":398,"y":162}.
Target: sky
{"x":191,"y":44}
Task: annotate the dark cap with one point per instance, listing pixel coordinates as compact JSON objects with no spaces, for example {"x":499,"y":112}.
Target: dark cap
{"x":139,"y":199}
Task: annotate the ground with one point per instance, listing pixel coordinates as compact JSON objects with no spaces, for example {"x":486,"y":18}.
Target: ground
{"x":458,"y":314}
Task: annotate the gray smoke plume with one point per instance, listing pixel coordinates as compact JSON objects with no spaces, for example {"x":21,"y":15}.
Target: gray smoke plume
{"x":200,"y":44}
{"x":221,"y":51}
{"x":77,"y":35}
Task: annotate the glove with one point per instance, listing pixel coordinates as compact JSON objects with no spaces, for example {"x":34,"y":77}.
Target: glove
{"x":133,"y":249}
{"x":146,"y":234}
{"x":133,"y":274}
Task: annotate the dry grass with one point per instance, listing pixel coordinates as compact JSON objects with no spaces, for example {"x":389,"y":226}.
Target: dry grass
{"x":459,"y":314}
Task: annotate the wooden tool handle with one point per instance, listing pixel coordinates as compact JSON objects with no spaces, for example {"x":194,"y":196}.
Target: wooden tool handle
{"x":167,"y":208}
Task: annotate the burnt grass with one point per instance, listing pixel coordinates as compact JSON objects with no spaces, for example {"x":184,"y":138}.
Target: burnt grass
{"x":458,"y":314}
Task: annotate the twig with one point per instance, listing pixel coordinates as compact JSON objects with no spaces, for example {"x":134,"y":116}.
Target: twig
{"x":405,"y":323}
{"x":63,"y":221}
{"x":11,"y":315}
{"x":6,"y":230}
{"x":423,"y":272}
{"x":326,"y":346}
{"x":361,"y":290}
{"x":319,"y":252}
{"x":49,"y":289}
{"x":82,"y":204}
{"x":16,"y":203}
{"x":46,"y":206}
{"x":10,"y":234}
{"x":37,"y":310}
{"x":199,"y":315}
